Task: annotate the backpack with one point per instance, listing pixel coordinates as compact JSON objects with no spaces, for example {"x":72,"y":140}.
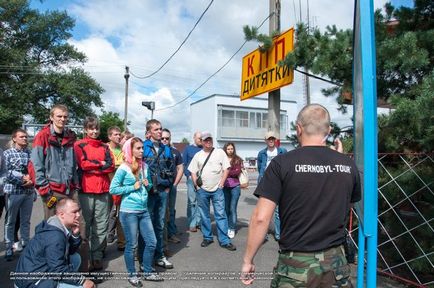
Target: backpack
{"x":161,"y":165}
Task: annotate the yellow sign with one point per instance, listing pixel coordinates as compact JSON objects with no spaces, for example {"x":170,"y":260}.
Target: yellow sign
{"x":261,"y":72}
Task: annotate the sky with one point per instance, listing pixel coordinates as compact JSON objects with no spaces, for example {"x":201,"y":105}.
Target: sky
{"x":142,"y":34}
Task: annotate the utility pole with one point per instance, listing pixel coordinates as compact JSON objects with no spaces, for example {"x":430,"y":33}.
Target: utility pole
{"x":126,"y":76}
{"x":306,"y":79}
{"x":274,"y":96}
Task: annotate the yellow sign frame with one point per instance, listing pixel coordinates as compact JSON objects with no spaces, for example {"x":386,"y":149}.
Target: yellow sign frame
{"x":261,"y":72}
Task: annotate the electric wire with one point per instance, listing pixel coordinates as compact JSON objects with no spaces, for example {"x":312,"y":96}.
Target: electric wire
{"x":319,"y":78}
{"x":215,"y":73}
{"x":176,"y":51}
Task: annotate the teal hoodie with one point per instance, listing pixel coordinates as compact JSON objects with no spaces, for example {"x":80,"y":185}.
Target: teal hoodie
{"x":123,"y":184}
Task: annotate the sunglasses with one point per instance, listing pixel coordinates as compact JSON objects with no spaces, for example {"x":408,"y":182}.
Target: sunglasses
{"x":165,"y":138}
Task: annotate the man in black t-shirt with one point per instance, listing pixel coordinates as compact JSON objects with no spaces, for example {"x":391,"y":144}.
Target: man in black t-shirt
{"x":314,"y":187}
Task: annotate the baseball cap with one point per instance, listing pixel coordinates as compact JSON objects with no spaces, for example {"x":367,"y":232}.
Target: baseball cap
{"x":270,"y":134}
{"x":205,"y":135}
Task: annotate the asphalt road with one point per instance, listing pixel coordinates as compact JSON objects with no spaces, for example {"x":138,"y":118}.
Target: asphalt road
{"x":194,"y":266}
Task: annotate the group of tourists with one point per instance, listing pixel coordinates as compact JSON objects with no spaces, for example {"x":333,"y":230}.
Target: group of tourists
{"x":95,"y":193}
{"x":123,"y":188}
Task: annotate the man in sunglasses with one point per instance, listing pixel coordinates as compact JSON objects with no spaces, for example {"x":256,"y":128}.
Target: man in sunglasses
{"x":171,"y":228}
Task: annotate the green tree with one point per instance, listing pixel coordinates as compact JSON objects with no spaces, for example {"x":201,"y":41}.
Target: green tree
{"x":107,"y":120}
{"x":38,"y":68}
{"x":185,"y":140}
{"x":405,"y":67}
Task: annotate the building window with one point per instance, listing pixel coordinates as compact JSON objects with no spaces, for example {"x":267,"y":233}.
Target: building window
{"x":228,"y":118}
{"x":242,"y":119}
{"x":252,"y":121}
{"x":264,"y":120}
{"x":249,"y":119}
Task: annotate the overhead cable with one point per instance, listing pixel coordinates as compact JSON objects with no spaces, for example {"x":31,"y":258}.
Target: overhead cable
{"x":176,"y":51}
{"x":215,"y":73}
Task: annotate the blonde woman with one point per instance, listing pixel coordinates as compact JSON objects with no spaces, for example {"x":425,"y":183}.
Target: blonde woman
{"x":132,"y":181}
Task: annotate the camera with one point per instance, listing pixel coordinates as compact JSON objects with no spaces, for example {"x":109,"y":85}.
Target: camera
{"x":166,"y":174}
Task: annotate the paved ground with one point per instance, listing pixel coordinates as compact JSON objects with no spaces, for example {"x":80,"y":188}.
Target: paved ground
{"x":194,"y":266}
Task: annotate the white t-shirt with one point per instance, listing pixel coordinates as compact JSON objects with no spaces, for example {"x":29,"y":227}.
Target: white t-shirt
{"x":213,"y":171}
{"x":271,"y":155}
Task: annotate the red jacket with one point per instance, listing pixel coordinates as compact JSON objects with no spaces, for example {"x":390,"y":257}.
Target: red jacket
{"x":54,"y":166}
{"x":94,"y":175}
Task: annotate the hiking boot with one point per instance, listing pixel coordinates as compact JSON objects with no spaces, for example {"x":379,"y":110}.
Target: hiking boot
{"x":192,"y":229}
{"x":97,"y":265}
{"x":229,"y":247}
{"x":206,"y":243}
{"x":163,"y":262}
{"x":153,"y":277}
{"x":168,"y":253}
{"x":135,"y":281}
{"x":174,"y":239}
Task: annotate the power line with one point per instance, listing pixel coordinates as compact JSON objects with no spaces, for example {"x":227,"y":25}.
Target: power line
{"x":215,"y":73}
{"x":319,"y":78}
{"x":176,"y":51}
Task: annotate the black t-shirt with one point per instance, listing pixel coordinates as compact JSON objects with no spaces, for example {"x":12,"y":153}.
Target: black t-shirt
{"x":176,"y":156}
{"x":313,"y":186}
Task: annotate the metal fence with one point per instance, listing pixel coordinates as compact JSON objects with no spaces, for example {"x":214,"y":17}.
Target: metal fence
{"x":405,"y":218}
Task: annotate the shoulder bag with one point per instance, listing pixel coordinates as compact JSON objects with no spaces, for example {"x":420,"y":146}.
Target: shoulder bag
{"x":244,"y":178}
{"x":199,"y":181}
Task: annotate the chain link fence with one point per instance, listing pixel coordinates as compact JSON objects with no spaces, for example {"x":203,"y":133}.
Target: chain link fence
{"x":405,"y":217}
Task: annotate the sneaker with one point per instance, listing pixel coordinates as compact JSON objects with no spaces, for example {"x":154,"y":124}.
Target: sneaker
{"x":174,"y":239}
{"x":153,"y":277}
{"x":231,"y":233}
{"x":206,"y":243}
{"x":135,"y":281}
{"x":9,"y":256}
{"x":163,"y":262}
{"x":17,"y":247}
{"x":229,"y":246}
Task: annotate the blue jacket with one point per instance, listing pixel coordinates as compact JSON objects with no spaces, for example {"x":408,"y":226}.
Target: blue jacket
{"x":161,"y":164}
{"x":123,"y":184}
{"x":262,"y":160}
{"x":47,"y":252}
{"x":188,"y":154}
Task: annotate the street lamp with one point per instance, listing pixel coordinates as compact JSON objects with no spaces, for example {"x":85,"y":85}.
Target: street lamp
{"x":150,"y":105}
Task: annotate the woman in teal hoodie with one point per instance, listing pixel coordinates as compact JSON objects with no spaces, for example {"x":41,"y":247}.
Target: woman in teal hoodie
{"x":132,"y":181}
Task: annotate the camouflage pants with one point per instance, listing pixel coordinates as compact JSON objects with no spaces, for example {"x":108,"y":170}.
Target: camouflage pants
{"x":328,"y":268}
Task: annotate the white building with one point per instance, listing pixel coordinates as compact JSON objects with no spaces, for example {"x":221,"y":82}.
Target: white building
{"x":242,"y":122}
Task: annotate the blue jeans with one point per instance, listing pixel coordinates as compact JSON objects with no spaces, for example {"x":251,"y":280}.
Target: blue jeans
{"x":132,"y":223}
{"x":218,"y":201}
{"x":75,"y":260}
{"x":276,"y":223}
{"x":232,"y":194}
{"x":24,"y":204}
{"x":171,"y":226}
{"x":193,"y":213}
{"x":157,"y":203}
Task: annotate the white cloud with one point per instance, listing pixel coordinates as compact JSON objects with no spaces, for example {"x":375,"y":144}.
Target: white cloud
{"x":143,"y":34}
